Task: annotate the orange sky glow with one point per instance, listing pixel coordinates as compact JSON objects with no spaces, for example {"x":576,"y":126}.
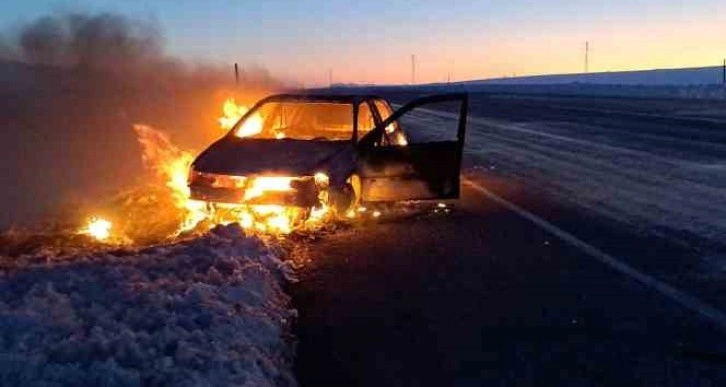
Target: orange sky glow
{"x":636,"y":46}
{"x":372,"y":41}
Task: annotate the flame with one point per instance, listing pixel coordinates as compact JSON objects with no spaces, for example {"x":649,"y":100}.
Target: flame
{"x":318,"y":213}
{"x":251,"y":126}
{"x":232,"y":114}
{"x":273,"y":218}
{"x":171,"y":166}
{"x":268,"y":218}
{"x":97,"y":228}
{"x":263,"y":184}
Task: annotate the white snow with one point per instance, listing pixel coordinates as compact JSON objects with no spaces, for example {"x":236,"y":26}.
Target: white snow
{"x":205,"y":312}
{"x":711,"y":75}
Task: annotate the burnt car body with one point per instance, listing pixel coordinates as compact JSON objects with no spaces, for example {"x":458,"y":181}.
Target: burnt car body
{"x":356,"y":142}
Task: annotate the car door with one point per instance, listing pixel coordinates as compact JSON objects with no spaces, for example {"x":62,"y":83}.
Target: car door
{"x":427,"y":166}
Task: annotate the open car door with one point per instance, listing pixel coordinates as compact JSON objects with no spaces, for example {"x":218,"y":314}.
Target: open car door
{"x":428,"y":165}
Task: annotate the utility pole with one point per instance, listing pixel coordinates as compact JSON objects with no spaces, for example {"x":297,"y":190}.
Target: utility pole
{"x":330,"y":77}
{"x":413,"y":69}
{"x":587,"y":57}
{"x":723,"y":73}
{"x":236,"y":74}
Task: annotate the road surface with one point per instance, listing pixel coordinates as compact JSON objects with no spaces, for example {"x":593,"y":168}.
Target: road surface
{"x":513,"y":290}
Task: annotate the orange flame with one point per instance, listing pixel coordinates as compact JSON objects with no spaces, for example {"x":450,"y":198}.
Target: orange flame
{"x":172,"y":164}
{"x":233,"y":113}
{"x":263,"y":184}
{"x":97,"y":228}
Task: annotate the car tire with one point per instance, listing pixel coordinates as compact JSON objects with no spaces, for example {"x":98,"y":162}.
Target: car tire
{"x":346,"y":197}
{"x":341,"y":198}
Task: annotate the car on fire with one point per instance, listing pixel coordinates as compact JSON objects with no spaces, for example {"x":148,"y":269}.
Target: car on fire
{"x":307,"y":150}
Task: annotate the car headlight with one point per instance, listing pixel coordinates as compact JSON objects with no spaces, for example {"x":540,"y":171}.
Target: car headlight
{"x":215,"y":180}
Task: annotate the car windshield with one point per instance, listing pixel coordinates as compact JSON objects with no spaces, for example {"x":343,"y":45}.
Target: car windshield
{"x":298,"y":120}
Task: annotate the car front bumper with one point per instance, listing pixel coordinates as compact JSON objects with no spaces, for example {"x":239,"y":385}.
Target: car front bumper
{"x":303,"y":192}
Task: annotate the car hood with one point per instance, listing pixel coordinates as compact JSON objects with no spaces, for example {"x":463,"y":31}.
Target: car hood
{"x":243,"y":157}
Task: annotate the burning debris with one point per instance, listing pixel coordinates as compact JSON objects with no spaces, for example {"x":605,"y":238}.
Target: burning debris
{"x":98,"y":228}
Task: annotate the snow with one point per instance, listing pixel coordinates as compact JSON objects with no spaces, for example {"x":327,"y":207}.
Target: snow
{"x":655,"y":77}
{"x":204,"y":312}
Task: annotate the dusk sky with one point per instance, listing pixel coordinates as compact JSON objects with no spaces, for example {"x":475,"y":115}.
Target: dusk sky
{"x":372,"y":41}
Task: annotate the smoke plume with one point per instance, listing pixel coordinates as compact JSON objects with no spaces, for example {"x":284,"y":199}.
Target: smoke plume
{"x":104,"y":41}
{"x":74,"y":86}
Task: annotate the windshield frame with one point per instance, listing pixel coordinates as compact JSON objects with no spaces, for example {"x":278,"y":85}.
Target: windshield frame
{"x":303,"y":99}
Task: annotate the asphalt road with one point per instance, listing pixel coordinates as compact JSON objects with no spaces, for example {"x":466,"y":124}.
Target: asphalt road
{"x":490,"y":296}
{"x":651,"y":163}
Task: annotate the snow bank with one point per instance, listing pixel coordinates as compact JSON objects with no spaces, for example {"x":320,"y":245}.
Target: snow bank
{"x":206,"y":312}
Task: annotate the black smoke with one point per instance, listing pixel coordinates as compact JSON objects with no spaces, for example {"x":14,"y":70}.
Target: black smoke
{"x":103,"y":41}
{"x":73,"y":87}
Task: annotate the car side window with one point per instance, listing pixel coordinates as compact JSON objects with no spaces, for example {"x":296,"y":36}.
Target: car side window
{"x":383,"y":109}
{"x":366,"y":122}
{"x":392,"y":134}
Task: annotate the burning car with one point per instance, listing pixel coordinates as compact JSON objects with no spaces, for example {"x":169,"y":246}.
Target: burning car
{"x":338,"y":151}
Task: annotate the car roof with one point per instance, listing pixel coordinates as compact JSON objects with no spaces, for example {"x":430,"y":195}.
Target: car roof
{"x":339,"y":98}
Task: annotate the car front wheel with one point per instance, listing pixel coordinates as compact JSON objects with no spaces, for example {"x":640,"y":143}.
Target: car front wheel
{"x":346,"y":197}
